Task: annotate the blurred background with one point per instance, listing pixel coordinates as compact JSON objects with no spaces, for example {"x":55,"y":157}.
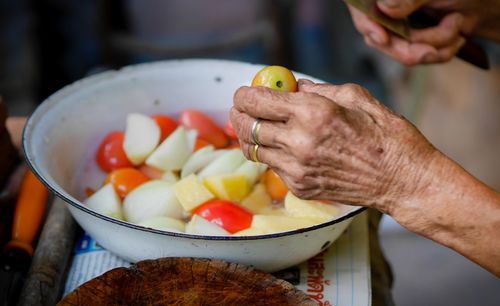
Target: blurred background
{"x":47,"y":44}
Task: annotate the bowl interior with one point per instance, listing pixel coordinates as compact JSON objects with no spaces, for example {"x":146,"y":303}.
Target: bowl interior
{"x":63,"y":134}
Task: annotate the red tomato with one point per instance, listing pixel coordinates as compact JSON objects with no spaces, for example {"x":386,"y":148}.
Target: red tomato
{"x":274,"y":185}
{"x":125,"y":180}
{"x":228,"y":128}
{"x":206,"y":127}
{"x":110,"y":154}
{"x":226,"y":214}
{"x":200,"y":143}
{"x":167,"y":125}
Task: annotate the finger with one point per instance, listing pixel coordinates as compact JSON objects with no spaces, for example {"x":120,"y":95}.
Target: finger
{"x":442,"y":35}
{"x":305,"y":188}
{"x":302,"y":82}
{"x":270,"y":134}
{"x":447,"y":53}
{"x":400,"y":8}
{"x":265,"y":103}
{"x":405,"y":52}
{"x":336,"y":93}
{"x":368,"y":27}
{"x":350,"y":96}
{"x":266,"y":155}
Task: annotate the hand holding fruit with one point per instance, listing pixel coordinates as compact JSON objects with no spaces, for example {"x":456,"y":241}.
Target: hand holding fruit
{"x":334,"y":143}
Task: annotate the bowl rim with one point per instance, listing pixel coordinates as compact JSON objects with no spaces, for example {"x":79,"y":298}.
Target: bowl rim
{"x":69,"y":89}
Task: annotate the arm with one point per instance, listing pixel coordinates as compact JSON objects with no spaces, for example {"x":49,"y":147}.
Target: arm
{"x":339,"y":143}
{"x":456,"y":210}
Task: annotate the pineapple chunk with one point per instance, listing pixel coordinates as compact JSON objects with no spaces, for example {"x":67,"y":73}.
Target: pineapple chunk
{"x":309,"y":209}
{"x":257,"y":200}
{"x":232,"y":187}
{"x":275,"y":224}
{"x":191,"y":193}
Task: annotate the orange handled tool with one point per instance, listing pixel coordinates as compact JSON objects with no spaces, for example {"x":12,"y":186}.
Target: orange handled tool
{"x":30,"y":210}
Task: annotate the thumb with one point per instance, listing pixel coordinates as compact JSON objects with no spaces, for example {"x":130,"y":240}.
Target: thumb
{"x":303,"y":84}
{"x":400,"y":8}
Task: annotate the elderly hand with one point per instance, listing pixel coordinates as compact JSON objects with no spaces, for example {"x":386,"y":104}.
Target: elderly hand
{"x":334,"y":143}
{"x":435,"y":44}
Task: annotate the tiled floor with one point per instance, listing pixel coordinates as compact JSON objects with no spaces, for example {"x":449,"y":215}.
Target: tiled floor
{"x":427,"y":274}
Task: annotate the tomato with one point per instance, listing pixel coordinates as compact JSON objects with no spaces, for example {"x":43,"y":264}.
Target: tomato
{"x":151,"y":172}
{"x":89,"y":191}
{"x":207,"y":129}
{"x":232,"y":217}
{"x":110,"y":155}
{"x":200,"y":143}
{"x":234,"y":146}
{"x":274,"y":185}
{"x":125,"y":180}
{"x":275,"y":77}
{"x":167,"y":125}
{"x":229,"y":130}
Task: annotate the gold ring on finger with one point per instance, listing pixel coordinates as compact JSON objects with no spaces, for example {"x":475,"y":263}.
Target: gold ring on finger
{"x":255,"y":148}
{"x":255,"y":132}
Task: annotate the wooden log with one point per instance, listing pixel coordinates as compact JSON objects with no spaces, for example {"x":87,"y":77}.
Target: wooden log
{"x":47,"y":275}
{"x":186,"y":281}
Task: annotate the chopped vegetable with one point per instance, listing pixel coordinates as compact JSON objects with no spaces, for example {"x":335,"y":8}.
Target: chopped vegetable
{"x":167,"y":125}
{"x":110,"y":155}
{"x":226,"y":214}
{"x":229,"y":130}
{"x":274,"y":185}
{"x":152,"y":199}
{"x":191,"y":193}
{"x":206,"y":127}
{"x":125,"y":180}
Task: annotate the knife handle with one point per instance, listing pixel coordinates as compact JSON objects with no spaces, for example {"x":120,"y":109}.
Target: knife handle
{"x":28,"y":215}
{"x":471,"y":52}
{"x":474,"y":54}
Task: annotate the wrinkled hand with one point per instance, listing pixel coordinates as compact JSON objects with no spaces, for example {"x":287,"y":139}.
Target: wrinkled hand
{"x":435,"y":44}
{"x":334,"y":143}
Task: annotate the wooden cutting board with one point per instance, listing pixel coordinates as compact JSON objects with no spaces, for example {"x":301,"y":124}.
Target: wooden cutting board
{"x":186,"y":281}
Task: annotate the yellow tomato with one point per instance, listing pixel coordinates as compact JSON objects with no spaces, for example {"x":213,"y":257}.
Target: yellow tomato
{"x":125,"y":180}
{"x":275,"y":77}
{"x":274,"y":185}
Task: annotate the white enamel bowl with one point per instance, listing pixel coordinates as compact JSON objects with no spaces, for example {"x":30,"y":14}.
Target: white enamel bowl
{"x":63,"y":133}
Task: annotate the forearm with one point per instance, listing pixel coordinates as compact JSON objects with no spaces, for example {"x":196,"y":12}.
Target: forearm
{"x":455,"y":209}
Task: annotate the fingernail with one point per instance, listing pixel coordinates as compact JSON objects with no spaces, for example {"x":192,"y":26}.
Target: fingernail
{"x":375,"y":38}
{"x":389,"y":3}
{"x":304,"y":82}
